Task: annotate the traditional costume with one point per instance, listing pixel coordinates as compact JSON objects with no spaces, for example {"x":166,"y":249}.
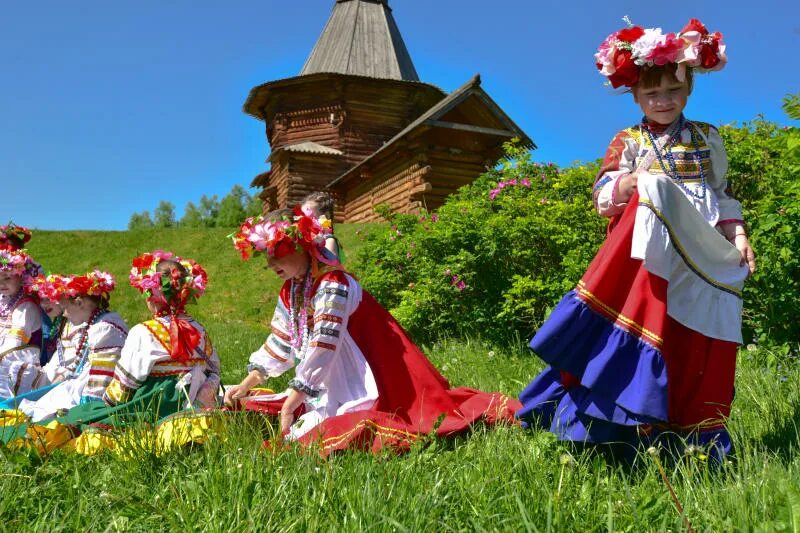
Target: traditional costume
{"x":367,"y":385}
{"x":86,"y":353}
{"x":20,"y":320}
{"x":167,"y":373}
{"x":646,"y":343}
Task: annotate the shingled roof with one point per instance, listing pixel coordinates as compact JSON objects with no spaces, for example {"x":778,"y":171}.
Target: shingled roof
{"x":362,"y":38}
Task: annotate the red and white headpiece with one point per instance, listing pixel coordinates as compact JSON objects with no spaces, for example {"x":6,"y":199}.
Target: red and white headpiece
{"x":279,"y":237}
{"x":13,"y":237}
{"x":625,"y":52}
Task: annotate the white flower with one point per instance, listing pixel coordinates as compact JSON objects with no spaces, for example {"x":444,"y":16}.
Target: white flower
{"x":644,"y":45}
{"x":184,"y":382}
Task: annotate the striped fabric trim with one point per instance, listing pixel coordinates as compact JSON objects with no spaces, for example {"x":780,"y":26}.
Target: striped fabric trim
{"x":320,"y":344}
{"x":160,"y":332}
{"x":616,"y":316}
{"x":327,"y":317}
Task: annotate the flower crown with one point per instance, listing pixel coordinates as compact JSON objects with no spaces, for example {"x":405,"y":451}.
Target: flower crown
{"x":177,"y":290}
{"x":625,"y":52}
{"x":20,"y":263}
{"x":280,"y":237}
{"x":94,"y":283}
{"x":13,"y":237}
{"x":52,"y":287}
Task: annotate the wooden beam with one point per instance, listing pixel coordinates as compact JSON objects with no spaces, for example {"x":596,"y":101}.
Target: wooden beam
{"x":470,"y":128}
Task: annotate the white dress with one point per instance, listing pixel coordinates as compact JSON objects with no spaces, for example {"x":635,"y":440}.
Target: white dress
{"x":86,"y":375}
{"x":20,"y":329}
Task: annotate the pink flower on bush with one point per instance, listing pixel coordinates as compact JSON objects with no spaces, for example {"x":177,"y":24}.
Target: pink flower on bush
{"x":434,"y":218}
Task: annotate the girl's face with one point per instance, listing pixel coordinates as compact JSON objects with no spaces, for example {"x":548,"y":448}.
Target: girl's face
{"x":10,"y":284}
{"x":53,"y":309}
{"x":309,"y":208}
{"x":78,"y":310}
{"x":664,"y":103}
{"x":289,"y":266}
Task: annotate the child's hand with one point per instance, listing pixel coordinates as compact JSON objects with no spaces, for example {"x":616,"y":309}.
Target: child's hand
{"x":748,"y":256}
{"x":626,"y":187}
{"x":293,"y":401}
{"x":234,"y":394}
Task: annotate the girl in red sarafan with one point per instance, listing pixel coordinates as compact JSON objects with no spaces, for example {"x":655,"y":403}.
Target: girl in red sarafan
{"x":645,"y":345}
{"x":359,"y":381}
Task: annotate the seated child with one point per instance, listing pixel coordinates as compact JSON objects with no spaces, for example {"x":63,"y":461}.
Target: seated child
{"x":86,"y":352}
{"x":166,"y":365}
{"x":319,"y":206}
{"x":359,"y":381}
{"x":53,"y":320}
{"x":20,"y":316}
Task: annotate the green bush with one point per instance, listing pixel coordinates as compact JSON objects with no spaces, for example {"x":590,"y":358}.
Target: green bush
{"x":503,"y":250}
{"x":495,"y":257}
{"x":764,"y":169}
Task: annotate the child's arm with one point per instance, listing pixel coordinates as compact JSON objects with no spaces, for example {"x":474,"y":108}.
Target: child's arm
{"x":332,"y":245}
{"x":730,"y":210}
{"x":271,"y":360}
{"x":134,"y":365}
{"x":26,"y":319}
{"x":615,"y":183}
{"x":105,"y":344}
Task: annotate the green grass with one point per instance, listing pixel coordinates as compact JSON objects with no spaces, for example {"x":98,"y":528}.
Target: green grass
{"x":501,"y":479}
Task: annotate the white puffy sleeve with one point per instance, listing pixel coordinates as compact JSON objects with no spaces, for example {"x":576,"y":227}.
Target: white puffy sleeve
{"x":620,"y":159}
{"x":26,"y":319}
{"x":274,"y":357}
{"x":330,"y":319}
{"x":730,"y":210}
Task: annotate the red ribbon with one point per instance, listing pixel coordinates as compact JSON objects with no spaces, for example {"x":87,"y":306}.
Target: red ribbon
{"x":184,"y":339}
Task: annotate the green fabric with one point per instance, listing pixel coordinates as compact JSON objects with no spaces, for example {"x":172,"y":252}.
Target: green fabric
{"x":156,"y":399}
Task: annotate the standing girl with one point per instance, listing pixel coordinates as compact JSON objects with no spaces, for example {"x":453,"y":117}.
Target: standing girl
{"x":646,"y":343}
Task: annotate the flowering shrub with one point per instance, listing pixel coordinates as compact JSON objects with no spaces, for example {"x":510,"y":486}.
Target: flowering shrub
{"x":494,"y":258}
{"x":500,"y":253}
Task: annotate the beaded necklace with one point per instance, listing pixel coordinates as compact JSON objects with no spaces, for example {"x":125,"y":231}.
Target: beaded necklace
{"x":298,"y":319}
{"x":672,"y":171}
{"x":7,"y":308}
{"x":82,"y":350}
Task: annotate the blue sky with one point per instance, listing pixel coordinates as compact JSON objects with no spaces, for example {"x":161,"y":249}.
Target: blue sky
{"x":110,"y":107}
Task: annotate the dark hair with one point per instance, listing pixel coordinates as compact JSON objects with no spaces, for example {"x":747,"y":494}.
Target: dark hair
{"x":102,"y":302}
{"x":165,"y":266}
{"x":323,"y":201}
{"x":651,"y":76}
{"x":278,"y":214}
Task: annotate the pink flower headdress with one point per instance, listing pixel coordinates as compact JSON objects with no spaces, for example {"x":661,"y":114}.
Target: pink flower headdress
{"x":13,"y":237}
{"x":52,"y":287}
{"x":94,"y":283}
{"x":176,"y":290}
{"x":280,"y":237}
{"x":20,"y":263}
{"x":171,"y":291}
{"x":623,"y":54}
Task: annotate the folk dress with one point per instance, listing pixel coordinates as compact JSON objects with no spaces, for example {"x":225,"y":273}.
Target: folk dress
{"x":645,"y":345}
{"x":368,"y":385}
{"x":84,"y":376}
{"x":149,"y":391}
{"x":20,"y":338}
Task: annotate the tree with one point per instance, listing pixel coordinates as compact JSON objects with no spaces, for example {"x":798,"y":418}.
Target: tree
{"x":164,"y":215}
{"x":140,"y":221}
{"x":192,"y":217}
{"x":209,"y":209}
{"x":254,"y":206}
{"x":232,"y":208}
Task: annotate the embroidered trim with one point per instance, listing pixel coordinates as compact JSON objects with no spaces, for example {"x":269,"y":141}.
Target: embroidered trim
{"x":160,"y":332}
{"x":298,"y":385}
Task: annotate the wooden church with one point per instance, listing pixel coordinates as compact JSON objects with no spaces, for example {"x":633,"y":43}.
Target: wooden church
{"x":359,"y":123}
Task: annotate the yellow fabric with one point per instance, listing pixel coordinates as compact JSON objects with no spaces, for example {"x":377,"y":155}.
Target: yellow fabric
{"x":12,"y":417}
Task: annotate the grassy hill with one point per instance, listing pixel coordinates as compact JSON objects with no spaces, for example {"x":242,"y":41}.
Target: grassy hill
{"x":498,"y":480}
{"x":240,"y":299}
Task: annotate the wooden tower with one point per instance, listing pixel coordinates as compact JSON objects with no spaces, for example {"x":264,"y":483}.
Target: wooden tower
{"x":358,"y":122}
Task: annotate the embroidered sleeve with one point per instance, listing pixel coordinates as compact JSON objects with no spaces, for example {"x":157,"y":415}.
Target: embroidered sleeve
{"x":134,"y":365}
{"x":730,"y":210}
{"x":275,"y":355}
{"x":619,"y":160}
{"x":26,"y":319}
{"x":330,"y":319}
{"x":106,"y":340}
